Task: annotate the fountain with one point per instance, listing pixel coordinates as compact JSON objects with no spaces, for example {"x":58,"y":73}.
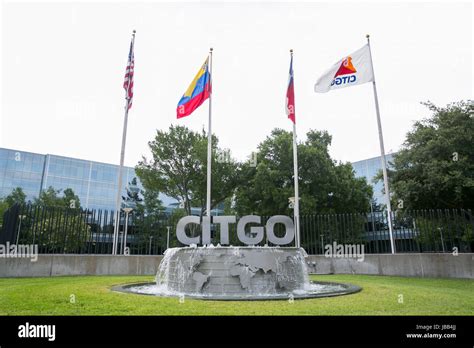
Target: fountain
{"x":237,"y":273}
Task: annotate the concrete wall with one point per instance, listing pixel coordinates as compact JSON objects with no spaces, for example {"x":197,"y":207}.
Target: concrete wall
{"x":56,"y":265}
{"x":408,"y":265}
{"x":411,"y":265}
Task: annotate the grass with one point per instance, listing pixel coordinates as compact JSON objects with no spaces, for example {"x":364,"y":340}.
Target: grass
{"x":379,"y":296}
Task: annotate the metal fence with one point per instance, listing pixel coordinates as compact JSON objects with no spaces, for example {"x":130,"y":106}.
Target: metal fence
{"x":434,"y":230}
{"x":77,"y":231}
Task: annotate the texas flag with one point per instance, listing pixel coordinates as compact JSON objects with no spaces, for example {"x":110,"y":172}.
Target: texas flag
{"x":355,"y":69}
{"x":290,"y":95}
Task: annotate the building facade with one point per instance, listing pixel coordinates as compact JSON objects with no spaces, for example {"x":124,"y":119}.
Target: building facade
{"x":368,"y":169}
{"x":94,"y":182}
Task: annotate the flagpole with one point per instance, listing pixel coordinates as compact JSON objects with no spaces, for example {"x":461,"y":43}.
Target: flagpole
{"x":122,"y":156}
{"x":382,"y":152}
{"x":297,"y":196}
{"x":209,"y":141}
{"x":296,"y":210}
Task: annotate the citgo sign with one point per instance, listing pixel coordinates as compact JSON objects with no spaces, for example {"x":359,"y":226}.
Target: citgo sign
{"x":257,"y":232}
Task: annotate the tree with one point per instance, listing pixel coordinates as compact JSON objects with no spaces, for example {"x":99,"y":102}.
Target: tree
{"x":3,"y":208}
{"x":179,"y":164}
{"x":152,"y":204}
{"x":437,"y":235}
{"x":50,"y":198}
{"x":435,"y":168}
{"x":70,"y":199}
{"x":61,"y":227}
{"x":133,"y":199}
{"x":62,"y":231}
{"x":376,"y":207}
{"x":147,"y":218}
{"x":324,"y":185}
{"x":17,"y":196}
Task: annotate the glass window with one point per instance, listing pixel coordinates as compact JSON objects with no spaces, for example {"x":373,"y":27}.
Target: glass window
{"x":37,"y":167}
{"x":3,"y":163}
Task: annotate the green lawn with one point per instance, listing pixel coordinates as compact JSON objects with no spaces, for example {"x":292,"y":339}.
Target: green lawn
{"x":379,"y":296}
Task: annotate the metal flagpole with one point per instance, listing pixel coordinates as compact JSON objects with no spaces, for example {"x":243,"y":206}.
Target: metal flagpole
{"x":122,"y":155}
{"x":209,"y":141}
{"x":382,"y":152}
{"x":296,"y":210}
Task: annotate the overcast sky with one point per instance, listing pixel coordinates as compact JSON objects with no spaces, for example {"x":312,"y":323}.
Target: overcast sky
{"x":63,"y":66}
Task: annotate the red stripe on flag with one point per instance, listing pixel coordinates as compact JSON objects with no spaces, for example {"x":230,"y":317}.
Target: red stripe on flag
{"x":187,"y":109}
{"x":128,"y":82}
{"x":290,"y":95}
{"x":290,"y":102}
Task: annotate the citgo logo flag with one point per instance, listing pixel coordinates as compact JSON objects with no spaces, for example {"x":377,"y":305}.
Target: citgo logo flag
{"x":346,"y":67}
{"x":352,"y":70}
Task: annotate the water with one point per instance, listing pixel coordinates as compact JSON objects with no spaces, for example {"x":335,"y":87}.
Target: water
{"x":310,"y":290}
{"x":237,"y":273}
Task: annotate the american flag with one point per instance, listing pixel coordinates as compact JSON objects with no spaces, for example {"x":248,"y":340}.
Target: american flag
{"x":128,"y":83}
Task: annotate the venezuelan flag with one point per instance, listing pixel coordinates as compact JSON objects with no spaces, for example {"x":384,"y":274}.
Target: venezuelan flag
{"x":198,"y":91}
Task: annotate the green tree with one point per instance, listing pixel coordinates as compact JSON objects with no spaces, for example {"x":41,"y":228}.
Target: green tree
{"x":324,"y":185}
{"x":147,"y":217}
{"x":70,"y":199}
{"x":49,"y":198}
{"x":63,"y":226}
{"x":435,"y":168}
{"x":17,"y":196}
{"x":52,"y":198}
{"x":3,"y":208}
{"x":152,"y":204}
{"x":179,"y":164}
{"x":65,"y":230}
{"x":134,"y":198}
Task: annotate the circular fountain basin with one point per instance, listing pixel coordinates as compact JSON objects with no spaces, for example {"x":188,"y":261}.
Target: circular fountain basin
{"x":236,"y":273}
{"x":313,"y":290}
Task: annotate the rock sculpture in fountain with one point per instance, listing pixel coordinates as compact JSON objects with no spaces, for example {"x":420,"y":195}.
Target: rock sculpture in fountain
{"x":234,"y":271}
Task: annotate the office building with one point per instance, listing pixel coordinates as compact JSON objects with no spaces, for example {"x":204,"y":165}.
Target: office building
{"x":94,"y":182}
{"x":369,"y":168}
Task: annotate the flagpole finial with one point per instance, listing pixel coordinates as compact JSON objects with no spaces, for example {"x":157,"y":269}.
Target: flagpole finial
{"x":211,"y":49}
{"x":291,"y":51}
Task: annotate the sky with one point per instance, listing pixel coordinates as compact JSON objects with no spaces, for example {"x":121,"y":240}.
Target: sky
{"x":63,"y":65}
